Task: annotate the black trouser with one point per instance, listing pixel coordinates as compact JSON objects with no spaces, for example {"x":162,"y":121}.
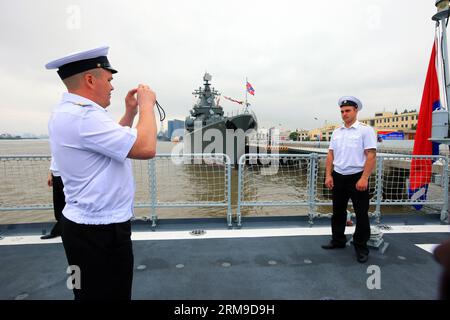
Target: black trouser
{"x":344,"y":189}
{"x":104,"y":254}
{"x":59,"y":201}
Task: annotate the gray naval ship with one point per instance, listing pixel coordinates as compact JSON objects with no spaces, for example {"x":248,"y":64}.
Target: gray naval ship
{"x":208,"y":130}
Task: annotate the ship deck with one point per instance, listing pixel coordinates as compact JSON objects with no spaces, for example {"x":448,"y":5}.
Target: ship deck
{"x":268,"y":258}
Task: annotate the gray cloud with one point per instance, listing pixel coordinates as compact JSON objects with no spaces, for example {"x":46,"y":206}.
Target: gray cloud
{"x":300,"y":56}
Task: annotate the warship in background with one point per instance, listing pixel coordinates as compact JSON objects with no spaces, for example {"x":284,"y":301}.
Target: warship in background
{"x":206,"y":115}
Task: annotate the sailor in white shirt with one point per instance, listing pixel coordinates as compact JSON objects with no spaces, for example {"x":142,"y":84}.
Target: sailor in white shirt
{"x":350,"y":161}
{"x":92,"y":154}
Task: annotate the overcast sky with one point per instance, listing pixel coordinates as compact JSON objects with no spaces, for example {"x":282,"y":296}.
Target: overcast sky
{"x":300,"y":56}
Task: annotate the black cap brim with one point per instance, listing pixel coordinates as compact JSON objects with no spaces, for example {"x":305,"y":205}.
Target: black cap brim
{"x":110,"y":69}
{"x":76,"y":67}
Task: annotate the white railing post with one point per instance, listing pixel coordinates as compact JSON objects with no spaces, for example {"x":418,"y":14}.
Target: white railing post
{"x":313,"y":176}
{"x":378,"y":188}
{"x":240,"y":181}
{"x":153,"y":197}
{"x":444,"y":211}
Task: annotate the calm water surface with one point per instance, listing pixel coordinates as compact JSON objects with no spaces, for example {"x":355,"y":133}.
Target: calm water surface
{"x":25,"y":183}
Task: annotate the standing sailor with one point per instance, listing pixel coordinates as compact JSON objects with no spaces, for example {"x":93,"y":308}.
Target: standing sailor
{"x":54,"y":180}
{"x":350,"y":161}
{"x":92,"y":153}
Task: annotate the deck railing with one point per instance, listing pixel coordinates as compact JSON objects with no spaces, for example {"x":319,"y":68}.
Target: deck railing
{"x":304,"y":174}
{"x":205,"y":180}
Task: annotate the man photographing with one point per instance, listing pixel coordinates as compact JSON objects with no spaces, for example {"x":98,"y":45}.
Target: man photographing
{"x":92,"y":154}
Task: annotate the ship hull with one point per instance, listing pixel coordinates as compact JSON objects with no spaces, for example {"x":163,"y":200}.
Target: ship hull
{"x":227,"y":136}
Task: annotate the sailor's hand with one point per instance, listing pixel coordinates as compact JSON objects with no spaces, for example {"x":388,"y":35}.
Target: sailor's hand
{"x":145,"y":96}
{"x":329,"y":182}
{"x":131,"y":103}
{"x":362,"y":184}
{"x":50,"y":179}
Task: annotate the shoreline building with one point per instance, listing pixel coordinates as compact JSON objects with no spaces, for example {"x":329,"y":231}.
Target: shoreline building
{"x":387,"y":125}
{"x":394,"y":126}
{"x":175,"y":126}
{"x":323,"y":133}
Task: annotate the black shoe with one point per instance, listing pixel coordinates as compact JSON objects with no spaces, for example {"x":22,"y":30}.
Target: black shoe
{"x":49,"y":236}
{"x":332,"y":245}
{"x":362,"y":257}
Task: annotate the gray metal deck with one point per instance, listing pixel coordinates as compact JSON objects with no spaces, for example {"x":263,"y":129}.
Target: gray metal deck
{"x":278,"y":267}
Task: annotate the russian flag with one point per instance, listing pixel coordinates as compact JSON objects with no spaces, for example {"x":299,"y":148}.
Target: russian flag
{"x":421,"y":169}
{"x":250,"y":89}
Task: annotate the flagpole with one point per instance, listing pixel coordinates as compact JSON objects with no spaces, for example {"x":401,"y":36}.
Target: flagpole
{"x":442,"y":18}
{"x":441,"y":63}
{"x":442,"y":134}
{"x":446,"y":77}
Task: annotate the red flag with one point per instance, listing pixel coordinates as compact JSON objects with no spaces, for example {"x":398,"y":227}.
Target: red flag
{"x":420,"y":173}
{"x":250,"y":89}
{"x":240,"y":102}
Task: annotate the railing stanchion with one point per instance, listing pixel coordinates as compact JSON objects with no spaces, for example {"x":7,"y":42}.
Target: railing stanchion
{"x":312,"y":177}
{"x":444,"y":211}
{"x":153,"y":198}
{"x":239,"y":200}
{"x":379,"y":188}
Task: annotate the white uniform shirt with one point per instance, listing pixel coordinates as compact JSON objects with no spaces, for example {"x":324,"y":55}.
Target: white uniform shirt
{"x":91,"y":152}
{"x":348,"y":145}
{"x":54,"y":168}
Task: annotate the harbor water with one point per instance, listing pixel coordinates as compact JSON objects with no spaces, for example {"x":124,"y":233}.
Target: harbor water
{"x":179,"y":184}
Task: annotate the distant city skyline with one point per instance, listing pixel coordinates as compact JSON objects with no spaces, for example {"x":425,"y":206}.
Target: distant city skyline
{"x":279,"y":125}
